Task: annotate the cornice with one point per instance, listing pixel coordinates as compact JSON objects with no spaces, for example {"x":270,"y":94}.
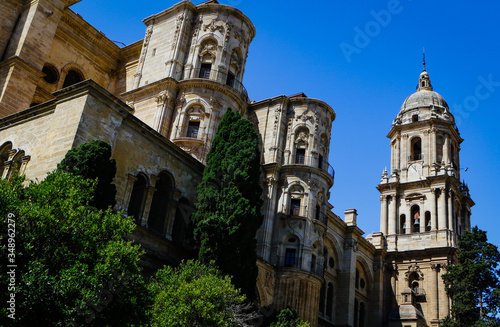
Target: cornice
{"x":150,"y":89}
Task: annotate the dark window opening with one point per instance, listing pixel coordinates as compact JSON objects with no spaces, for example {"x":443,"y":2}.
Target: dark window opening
{"x":300,"y":155}
{"x":414,"y":118}
{"x":318,"y":212}
{"x":320,"y":162}
{"x":361,"y":314}
{"x":135,"y":206}
{"x":402,"y":229}
{"x":416,"y":149}
{"x":331,"y":263}
{"x":159,"y":205}
{"x":322,"y":299}
{"x":230,"y":79}
{"x":205,"y":70}
{"x":193,"y":128}
{"x":356,"y":312}
{"x":357,"y":278}
{"x":295,"y":207}
{"x":290,"y":257}
{"x":51,"y":74}
{"x":415,"y":216}
{"x":72,"y":77}
{"x":362,"y":283}
{"x":427,"y":221}
{"x":329,"y":301}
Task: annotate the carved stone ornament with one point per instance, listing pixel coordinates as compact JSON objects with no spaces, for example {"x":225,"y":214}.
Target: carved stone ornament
{"x":208,"y":47}
{"x":215,"y":103}
{"x":307,"y":115}
{"x":213,"y":26}
{"x":414,"y":269}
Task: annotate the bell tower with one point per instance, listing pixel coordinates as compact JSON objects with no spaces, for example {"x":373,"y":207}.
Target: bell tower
{"x":424,"y":206}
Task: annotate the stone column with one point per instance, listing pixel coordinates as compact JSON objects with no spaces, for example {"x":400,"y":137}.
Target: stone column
{"x":432,"y":209}
{"x":442,"y":209}
{"x":446,"y":149}
{"x":150,"y":190}
{"x":392,"y":215}
{"x":383,"y":214}
{"x":128,"y":192}
{"x":444,"y":301}
{"x":171,"y":212}
{"x":422,"y":216}
{"x":433,"y":146}
{"x":451,"y":224}
{"x":398,"y":153}
{"x":435,"y":289}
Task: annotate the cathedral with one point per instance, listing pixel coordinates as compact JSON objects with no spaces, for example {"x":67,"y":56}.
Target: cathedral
{"x":158,"y":102}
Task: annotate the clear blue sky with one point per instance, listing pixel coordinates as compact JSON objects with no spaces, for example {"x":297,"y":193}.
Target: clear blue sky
{"x":298,"y":48}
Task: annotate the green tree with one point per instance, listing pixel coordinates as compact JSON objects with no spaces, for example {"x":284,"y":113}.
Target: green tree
{"x":194,"y":294}
{"x":288,"y":318}
{"x":92,"y":160}
{"x":473,"y":283}
{"x":229,"y":202}
{"x":74,"y":266}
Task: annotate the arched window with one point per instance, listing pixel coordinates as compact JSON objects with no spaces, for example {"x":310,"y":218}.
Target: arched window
{"x":329,"y":301}
{"x":402,"y":224}
{"x":16,"y":164}
{"x":416,"y":148}
{"x":427,"y":221}
{"x":51,"y":74}
{"x":296,"y":197}
{"x":301,"y":137}
{"x":322,"y":294}
{"x":159,"y":205}
{"x":208,"y":51}
{"x":356,"y":312}
{"x":361,"y":314}
{"x":415,"y":218}
{"x":72,"y":77}
{"x":137,"y":199}
{"x":4,"y":156}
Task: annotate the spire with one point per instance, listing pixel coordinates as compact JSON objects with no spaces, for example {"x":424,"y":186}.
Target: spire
{"x":424,"y":58}
{"x":424,"y":83}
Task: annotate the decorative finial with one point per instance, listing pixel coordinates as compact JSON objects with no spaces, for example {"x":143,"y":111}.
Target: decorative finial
{"x":424,"y":57}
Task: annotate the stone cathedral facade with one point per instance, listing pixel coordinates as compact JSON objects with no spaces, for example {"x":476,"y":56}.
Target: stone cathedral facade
{"x":158,"y":103}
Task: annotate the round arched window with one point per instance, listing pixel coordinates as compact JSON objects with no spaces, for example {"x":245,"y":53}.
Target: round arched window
{"x":51,"y":74}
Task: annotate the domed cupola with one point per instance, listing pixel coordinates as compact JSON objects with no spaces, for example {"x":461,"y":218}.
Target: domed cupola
{"x":424,"y":104}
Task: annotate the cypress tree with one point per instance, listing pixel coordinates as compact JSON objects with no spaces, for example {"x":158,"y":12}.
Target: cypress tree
{"x":92,"y":160}
{"x":229,"y":202}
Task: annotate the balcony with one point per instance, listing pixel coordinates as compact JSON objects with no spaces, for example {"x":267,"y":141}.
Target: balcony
{"x":312,"y":161}
{"x":414,"y":157}
{"x":315,"y":268}
{"x":217,"y":76}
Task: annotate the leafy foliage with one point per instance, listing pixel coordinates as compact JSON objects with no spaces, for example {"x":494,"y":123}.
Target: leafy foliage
{"x":473,"y":283}
{"x":229,"y":202}
{"x":289,"y":318}
{"x":73,"y":265}
{"x":194,"y":294}
{"x":91,"y":160}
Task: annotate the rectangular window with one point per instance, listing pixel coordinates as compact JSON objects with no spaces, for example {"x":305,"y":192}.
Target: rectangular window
{"x":320,"y":162}
{"x":205,"y":70}
{"x":230,"y":80}
{"x":318,"y":212}
{"x":295,"y":207}
{"x":193,"y":128}
{"x":300,"y":155}
{"x":290,"y":257}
